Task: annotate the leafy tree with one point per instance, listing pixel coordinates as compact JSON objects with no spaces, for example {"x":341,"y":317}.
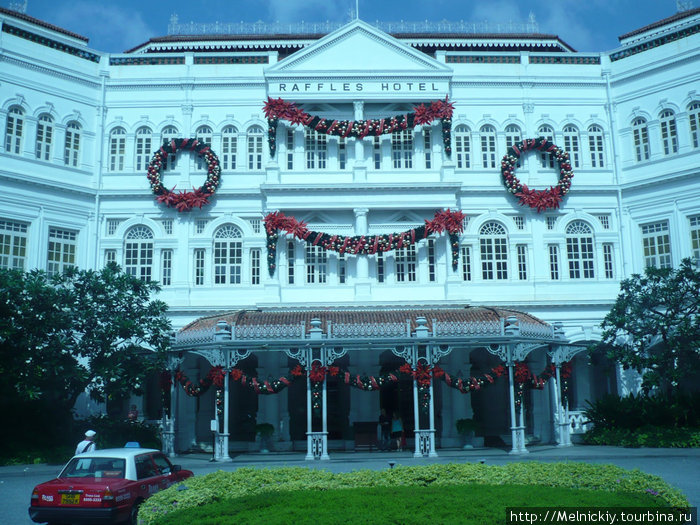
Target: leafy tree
{"x":83,"y":330}
{"x":654,"y":326}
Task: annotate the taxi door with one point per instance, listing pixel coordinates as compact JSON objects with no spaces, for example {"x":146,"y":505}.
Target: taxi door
{"x":149,"y":477}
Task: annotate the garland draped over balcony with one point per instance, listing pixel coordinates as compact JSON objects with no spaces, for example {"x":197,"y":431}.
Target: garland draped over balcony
{"x":279,"y":109}
{"x":444,"y":221}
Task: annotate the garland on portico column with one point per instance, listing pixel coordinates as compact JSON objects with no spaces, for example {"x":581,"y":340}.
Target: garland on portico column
{"x":525,"y":379}
{"x":447,"y":221}
{"x":279,"y":109}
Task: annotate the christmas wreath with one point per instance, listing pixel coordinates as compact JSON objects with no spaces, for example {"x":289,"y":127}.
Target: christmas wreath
{"x":184,"y":200}
{"x":276,"y":109}
{"x":538,"y":199}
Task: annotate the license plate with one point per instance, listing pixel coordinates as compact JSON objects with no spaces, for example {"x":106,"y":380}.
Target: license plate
{"x":70,"y":499}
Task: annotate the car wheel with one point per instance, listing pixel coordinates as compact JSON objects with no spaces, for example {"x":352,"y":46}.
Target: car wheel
{"x":134,"y":514}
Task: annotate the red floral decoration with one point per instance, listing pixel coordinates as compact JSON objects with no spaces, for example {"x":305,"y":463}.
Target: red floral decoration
{"x":537,"y":199}
{"x":187,"y":200}
{"x":317,"y":373}
{"x":279,"y":109}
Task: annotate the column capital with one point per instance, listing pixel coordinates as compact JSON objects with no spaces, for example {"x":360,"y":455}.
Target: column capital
{"x":359,"y":107}
{"x":359,"y":212}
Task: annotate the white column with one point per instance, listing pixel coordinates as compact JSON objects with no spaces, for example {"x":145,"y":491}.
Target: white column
{"x":513,"y":424}
{"x":562,"y":415}
{"x":432,"y":452}
{"x":324,"y":397}
{"x":309,"y":450}
{"x":361,"y":228}
{"x":416,"y":421}
{"x":359,"y":110}
{"x":224,"y":456}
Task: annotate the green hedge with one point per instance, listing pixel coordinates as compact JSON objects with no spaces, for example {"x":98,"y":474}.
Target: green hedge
{"x":250,"y":481}
{"x":647,"y":436}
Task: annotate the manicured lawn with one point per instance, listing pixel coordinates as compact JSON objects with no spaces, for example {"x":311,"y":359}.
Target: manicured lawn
{"x":463,"y":504}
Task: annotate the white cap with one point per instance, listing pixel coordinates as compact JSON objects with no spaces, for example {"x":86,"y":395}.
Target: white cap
{"x":90,"y":433}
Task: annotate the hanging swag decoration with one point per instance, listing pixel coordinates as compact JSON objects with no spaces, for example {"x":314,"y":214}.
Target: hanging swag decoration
{"x":538,"y":199}
{"x":279,"y":109}
{"x":444,"y":221}
{"x":526,"y":379}
{"x":187,"y":200}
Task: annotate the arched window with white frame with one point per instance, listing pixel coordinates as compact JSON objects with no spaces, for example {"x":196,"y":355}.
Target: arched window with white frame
{"x":488,"y":146}
{"x":44,"y":137}
{"x":143,"y":148}
{"x":572,"y":145}
{"x":169,"y":133}
{"x":229,"y":148}
{"x":694,"y":123}
{"x":138,"y":252}
{"x":117,"y":149}
{"x":493,"y":247}
{"x":640,"y":135}
{"x":546,"y":132}
{"x":580,"y":250}
{"x":402,"y":149}
{"x":206,"y":135}
{"x":255,"y":148}
{"x":462,"y":149}
{"x":596,"y":146}
{"x":228,"y":254}
{"x":14,"y":129}
{"x":669,"y":131}
{"x":71,"y":152}
{"x":513,"y":137}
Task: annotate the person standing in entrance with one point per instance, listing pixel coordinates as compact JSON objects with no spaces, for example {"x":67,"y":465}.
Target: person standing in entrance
{"x":385,"y":426}
{"x":397,"y":430}
{"x":88,"y":444}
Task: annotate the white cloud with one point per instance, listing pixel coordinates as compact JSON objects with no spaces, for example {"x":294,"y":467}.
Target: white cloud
{"x":109,"y":26}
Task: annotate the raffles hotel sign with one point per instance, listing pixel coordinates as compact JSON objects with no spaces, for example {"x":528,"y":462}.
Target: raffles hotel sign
{"x":353,"y":88}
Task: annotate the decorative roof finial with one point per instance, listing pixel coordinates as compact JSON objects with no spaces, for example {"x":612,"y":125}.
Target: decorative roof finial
{"x":684,"y":5}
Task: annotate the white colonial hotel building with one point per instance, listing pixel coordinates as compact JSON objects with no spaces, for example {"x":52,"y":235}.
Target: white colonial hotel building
{"x":80,"y":127}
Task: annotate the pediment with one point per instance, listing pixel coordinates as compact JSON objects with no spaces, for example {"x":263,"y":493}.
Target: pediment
{"x":358,"y":49}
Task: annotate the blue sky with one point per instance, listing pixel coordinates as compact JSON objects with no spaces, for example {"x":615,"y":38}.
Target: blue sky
{"x":587,"y":25}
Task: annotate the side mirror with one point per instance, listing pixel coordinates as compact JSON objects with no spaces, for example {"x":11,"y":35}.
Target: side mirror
{"x":176,"y":468}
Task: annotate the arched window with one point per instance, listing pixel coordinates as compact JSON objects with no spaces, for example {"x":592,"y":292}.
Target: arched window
{"x":513,"y":136}
{"x":493,"y":244}
{"x":138,"y":252}
{"x":640,"y":134}
{"x":694,"y":121}
{"x":595,"y":146}
{"x":117,"y":149}
{"x":203,"y":134}
{"x":546,"y":160}
{"x":579,"y":250}
{"x":71,"y":152}
{"x":255,"y":147}
{"x":169,"y":133}
{"x":669,"y":132}
{"x":143,"y":148}
{"x":402,"y":149}
{"x":229,"y":147}
{"x":572,"y":145}
{"x":13,"y":130}
{"x":228,"y":255}
{"x":462,"y":136}
{"x":488,"y":146}
{"x":316,"y":148}
{"x":44,"y":136}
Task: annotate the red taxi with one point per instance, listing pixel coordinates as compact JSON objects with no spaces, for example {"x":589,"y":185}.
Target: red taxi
{"x":105,"y":486}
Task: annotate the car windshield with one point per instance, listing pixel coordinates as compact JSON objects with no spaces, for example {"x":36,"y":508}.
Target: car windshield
{"x":94,"y":468}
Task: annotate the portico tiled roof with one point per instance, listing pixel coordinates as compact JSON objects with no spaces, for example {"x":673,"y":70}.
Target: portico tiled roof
{"x":296,"y":317}
{"x":661,"y":23}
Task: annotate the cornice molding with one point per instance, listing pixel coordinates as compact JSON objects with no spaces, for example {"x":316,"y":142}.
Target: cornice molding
{"x":48,"y":71}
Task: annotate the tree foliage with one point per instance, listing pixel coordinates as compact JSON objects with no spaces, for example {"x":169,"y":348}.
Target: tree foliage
{"x":654,"y":325}
{"x":61,"y":335}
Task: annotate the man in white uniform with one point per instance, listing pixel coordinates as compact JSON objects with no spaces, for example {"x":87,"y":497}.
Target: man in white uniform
{"x":88,"y":444}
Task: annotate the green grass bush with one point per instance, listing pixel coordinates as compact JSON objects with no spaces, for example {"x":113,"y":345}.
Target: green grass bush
{"x":464,"y":504}
{"x":647,"y":436}
{"x":250,"y":481}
